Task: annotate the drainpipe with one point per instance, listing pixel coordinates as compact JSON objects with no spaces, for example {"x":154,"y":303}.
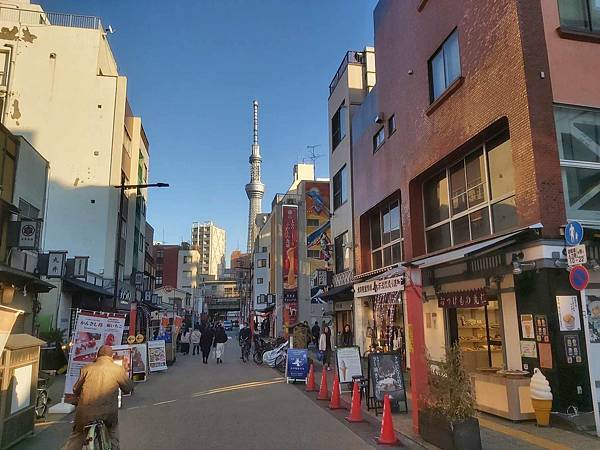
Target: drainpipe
{"x":9,"y":81}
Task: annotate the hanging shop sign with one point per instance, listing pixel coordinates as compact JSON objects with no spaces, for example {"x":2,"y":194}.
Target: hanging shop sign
{"x":56,"y":264}
{"x":568,"y":312}
{"x":383,"y":286}
{"x":29,"y":234}
{"x":472,"y":298}
{"x":290,"y":253}
{"x":343,"y":306}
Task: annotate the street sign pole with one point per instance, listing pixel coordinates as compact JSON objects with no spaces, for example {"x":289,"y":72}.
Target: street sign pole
{"x":586,"y":329}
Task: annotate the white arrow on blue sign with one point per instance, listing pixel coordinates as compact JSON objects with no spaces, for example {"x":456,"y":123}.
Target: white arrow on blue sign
{"x":573,"y":233}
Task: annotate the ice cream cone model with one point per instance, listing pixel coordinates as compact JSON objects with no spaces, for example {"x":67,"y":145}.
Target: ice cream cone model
{"x":541,"y":397}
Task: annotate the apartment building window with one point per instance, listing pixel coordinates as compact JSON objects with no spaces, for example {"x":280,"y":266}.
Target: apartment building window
{"x":259,"y":281}
{"x":187,"y":259}
{"x":342,"y":252}
{"x":314,"y":254}
{"x":378,"y":139}
{"x":473,"y":198}
{"x":309,"y":223}
{"x":262,"y":263}
{"x":578,"y":136}
{"x":338,"y":125}
{"x":187,"y":274}
{"x":444,"y":66}
{"x":386,"y":235}
{"x":391,"y":125}
{"x":580,"y":15}
{"x":340,"y":187}
{"x":27,"y":210}
{"x":264,"y":249}
{"x":159,"y":281}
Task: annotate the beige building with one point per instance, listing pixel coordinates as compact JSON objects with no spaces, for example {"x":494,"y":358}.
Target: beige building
{"x":61,"y":89}
{"x":210,"y":241}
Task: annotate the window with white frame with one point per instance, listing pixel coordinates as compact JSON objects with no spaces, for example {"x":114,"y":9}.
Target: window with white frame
{"x":259,"y":281}
{"x":473,"y":198}
{"x":578,"y":136}
{"x":444,"y":66}
{"x":386,"y":235}
{"x":378,"y":139}
{"x":187,"y":259}
{"x":262,"y":263}
{"x":187,"y":274}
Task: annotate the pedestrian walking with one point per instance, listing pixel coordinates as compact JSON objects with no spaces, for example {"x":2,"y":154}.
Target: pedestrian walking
{"x":347,"y":336}
{"x":185,"y":342}
{"x":325,"y":347}
{"x":220,"y":339}
{"x":195,"y":339}
{"x":316,"y":333}
{"x":206,"y":342}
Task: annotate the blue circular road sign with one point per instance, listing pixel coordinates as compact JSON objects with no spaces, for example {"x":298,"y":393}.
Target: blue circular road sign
{"x":579,"y":277}
{"x":573,"y":233}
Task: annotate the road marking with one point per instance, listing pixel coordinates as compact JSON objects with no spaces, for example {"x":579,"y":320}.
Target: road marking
{"x":238,"y":387}
{"x":522,"y":435}
{"x":164,"y":403}
{"x":133,"y":407}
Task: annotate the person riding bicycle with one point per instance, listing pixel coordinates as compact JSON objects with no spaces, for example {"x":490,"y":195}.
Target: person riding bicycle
{"x":97,"y":391}
{"x":244,"y":340}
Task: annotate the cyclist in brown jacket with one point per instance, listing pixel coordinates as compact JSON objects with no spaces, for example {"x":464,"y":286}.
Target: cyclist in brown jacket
{"x":97,"y":391}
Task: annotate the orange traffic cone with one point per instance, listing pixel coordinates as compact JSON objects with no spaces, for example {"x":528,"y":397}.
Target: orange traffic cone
{"x":310,"y":383}
{"x":387,"y":436}
{"x":355,"y":410}
{"x":335,"y":394}
{"x":323,"y":390}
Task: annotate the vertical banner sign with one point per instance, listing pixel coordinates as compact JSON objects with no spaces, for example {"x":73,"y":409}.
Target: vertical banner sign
{"x":289,"y":226}
{"x":318,"y":237}
{"x":92,"y":331}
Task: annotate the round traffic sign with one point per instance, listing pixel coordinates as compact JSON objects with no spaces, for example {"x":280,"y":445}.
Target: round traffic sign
{"x":579,"y":277}
{"x":573,"y":233}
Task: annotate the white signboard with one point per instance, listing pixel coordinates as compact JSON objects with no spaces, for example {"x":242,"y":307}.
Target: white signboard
{"x":80,"y":267}
{"x":576,"y":255}
{"x":21,"y":389}
{"x":28,"y":233}
{"x":348,"y":362}
{"x":157,"y":356}
{"x":374,"y":287}
{"x":568,"y":312}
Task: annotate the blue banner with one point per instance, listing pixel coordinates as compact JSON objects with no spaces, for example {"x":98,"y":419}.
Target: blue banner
{"x":297,"y":363}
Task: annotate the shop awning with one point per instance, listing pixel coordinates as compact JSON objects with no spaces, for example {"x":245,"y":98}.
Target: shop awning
{"x":77,"y":284}
{"x":337,"y":292}
{"x":470,"y":250}
{"x":22,"y":278}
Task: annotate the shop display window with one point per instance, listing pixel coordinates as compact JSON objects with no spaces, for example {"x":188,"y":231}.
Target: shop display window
{"x":480,"y":336}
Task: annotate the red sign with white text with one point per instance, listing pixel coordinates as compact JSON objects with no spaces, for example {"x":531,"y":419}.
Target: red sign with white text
{"x":289,"y":226}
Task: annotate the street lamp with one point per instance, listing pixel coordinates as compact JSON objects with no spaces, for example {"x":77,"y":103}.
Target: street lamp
{"x":122,"y":188}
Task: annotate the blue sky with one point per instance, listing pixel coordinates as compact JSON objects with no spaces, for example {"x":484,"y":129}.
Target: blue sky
{"x":193,"y":69}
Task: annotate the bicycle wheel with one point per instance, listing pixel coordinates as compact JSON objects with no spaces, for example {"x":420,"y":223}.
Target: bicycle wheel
{"x":41,"y":404}
{"x":280,"y":363}
{"x":257,"y":357}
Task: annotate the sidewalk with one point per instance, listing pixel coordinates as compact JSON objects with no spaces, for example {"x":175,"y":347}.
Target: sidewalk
{"x":496,"y":433}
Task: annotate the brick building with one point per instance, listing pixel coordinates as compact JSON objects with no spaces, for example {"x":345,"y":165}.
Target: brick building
{"x":461,"y":186}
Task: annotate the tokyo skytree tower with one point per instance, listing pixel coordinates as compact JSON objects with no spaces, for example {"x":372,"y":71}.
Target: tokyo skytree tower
{"x":255,"y":190}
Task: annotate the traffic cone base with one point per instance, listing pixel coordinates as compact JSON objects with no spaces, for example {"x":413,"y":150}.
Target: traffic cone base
{"x":323,"y":390}
{"x":335,"y":394}
{"x":355,"y":410}
{"x":387,"y":436}
{"x":310,"y":383}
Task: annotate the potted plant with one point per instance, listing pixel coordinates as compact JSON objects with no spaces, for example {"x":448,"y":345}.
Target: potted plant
{"x":446,"y":416}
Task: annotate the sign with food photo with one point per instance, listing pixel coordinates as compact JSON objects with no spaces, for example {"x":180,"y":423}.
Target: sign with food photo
{"x":568,"y":312}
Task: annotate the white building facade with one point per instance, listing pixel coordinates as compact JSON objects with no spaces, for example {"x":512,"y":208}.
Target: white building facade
{"x":210,"y":241}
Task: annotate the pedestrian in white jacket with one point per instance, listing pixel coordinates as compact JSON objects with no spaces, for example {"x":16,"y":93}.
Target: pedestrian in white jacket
{"x":195,"y":338}
{"x":325,"y":347}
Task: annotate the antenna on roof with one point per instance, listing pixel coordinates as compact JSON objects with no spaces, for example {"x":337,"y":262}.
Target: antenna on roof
{"x":313,"y":157}
{"x":109,"y":30}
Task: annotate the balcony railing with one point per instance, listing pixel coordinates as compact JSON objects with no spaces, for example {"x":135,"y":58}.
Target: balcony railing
{"x":28,"y":17}
{"x":351,"y":57}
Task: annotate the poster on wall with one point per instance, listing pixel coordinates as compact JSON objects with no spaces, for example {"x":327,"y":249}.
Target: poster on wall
{"x":290,"y":314}
{"x":348,"y":363}
{"x":93,"y":329}
{"x":297,"y":364}
{"x":545,"y":351}
{"x":528,"y":349}
{"x":386,"y":376}
{"x":290,"y":253}
{"x":527,"y":329}
{"x":139,"y":358}
{"x":317,"y":211}
{"x":593,"y":314}
{"x":568,"y":312}
{"x":21,"y":388}
{"x":157,"y":356}
{"x":541,"y":328}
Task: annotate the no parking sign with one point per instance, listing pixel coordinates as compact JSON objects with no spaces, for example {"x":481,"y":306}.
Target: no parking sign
{"x":579,"y":277}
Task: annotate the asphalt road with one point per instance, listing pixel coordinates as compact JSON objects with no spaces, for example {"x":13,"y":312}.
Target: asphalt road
{"x":226,"y":406}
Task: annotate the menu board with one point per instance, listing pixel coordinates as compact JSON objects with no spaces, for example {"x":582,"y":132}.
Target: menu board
{"x":157,"y":356}
{"x":541,"y":328}
{"x":572,"y":349}
{"x":386,"y":376}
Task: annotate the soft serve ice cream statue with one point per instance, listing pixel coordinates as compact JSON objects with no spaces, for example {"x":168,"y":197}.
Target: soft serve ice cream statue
{"x":541,"y":397}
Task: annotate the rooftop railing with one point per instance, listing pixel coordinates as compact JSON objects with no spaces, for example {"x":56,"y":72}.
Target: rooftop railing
{"x":351,"y":57}
{"x":29,"y":17}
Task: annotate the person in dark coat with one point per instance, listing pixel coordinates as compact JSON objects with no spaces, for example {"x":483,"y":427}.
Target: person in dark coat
{"x":316,"y":333}
{"x":206,"y":342}
{"x":220,"y":340}
{"x":347,"y":336}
